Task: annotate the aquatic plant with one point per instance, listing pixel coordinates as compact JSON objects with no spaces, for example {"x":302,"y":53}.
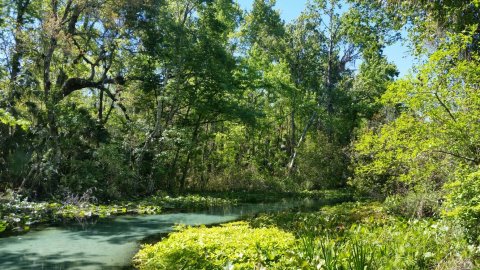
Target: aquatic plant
{"x":353,"y":236}
{"x":230,"y":246}
{"x":18,"y":214}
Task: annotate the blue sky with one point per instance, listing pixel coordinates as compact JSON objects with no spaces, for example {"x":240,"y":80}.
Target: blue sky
{"x":290,"y":9}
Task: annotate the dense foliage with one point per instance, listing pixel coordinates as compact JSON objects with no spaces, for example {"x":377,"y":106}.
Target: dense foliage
{"x":233,"y":245}
{"x":131,"y":98}
{"x":423,"y":151}
{"x":121,"y":100}
{"x":346,"y":236}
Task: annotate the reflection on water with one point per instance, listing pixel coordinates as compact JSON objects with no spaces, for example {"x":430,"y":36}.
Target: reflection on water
{"x":111,"y":243}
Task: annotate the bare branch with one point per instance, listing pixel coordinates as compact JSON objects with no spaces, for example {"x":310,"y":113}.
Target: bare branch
{"x":445,"y":107}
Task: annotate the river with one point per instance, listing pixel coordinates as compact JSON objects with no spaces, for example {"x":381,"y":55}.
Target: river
{"x":111,"y":243}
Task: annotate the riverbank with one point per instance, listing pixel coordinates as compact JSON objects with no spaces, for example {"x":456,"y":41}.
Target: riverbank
{"x":111,"y":243}
{"x":19,"y":215}
{"x":344,"y":236}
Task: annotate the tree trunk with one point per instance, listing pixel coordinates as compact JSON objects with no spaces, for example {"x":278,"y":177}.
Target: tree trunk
{"x":100,"y":106}
{"x":22,"y":6}
{"x":300,"y":141}
{"x":189,"y":156}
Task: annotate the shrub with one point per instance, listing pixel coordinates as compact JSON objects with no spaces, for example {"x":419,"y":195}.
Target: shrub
{"x":414,"y":204}
{"x":414,"y":244}
{"x":363,"y":236}
{"x":463,"y":203}
{"x":232,"y":245}
{"x":321,"y":164}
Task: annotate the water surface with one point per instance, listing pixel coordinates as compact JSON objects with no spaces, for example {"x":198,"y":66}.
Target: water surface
{"x":111,"y":243}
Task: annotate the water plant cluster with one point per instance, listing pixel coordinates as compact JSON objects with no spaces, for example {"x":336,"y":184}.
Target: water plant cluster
{"x":191,"y":201}
{"x":224,"y":247}
{"x":346,"y":236}
{"x":271,"y":196}
{"x":18,"y":214}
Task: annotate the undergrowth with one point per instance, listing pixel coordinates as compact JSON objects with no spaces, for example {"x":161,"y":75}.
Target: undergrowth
{"x":353,"y":236}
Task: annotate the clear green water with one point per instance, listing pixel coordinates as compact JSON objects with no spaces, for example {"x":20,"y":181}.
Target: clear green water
{"x":109,"y":243}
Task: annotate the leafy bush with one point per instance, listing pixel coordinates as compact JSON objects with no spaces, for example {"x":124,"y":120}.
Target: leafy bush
{"x":187,"y":202}
{"x":321,"y":164}
{"x":231,"y":246}
{"x":463,"y":202}
{"x":3,"y":226}
{"x":414,"y":204}
{"x":363,"y":236}
{"x":423,"y":140}
{"x":414,"y":244}
{"x":327,"y":221}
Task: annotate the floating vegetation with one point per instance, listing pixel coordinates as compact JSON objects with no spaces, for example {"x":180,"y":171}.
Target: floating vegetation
{"x":18,"y":214}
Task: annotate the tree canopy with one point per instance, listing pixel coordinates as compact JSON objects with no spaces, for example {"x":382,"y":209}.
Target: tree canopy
{"x":135,"y":97}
